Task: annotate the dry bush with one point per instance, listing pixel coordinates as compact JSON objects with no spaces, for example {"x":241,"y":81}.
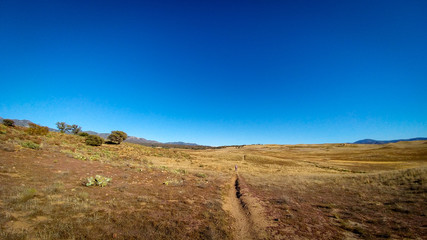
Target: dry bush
{"x":35,"y":129}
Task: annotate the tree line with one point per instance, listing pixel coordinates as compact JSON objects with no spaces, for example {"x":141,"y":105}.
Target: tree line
{"x":116,"y":137}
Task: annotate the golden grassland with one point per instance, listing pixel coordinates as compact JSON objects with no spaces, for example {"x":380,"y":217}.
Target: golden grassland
{"x":324,"y":191}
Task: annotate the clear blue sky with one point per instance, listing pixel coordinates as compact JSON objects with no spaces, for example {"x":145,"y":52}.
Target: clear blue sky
{"x":219,"y":72}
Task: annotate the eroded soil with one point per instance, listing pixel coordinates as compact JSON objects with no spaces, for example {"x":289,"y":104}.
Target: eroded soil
{"x":43,"y":197}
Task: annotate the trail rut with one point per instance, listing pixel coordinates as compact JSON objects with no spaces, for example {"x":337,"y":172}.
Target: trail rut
{"x":249,"y":221}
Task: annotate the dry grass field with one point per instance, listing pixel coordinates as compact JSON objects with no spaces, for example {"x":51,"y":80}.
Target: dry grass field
{"x":328,"y":191}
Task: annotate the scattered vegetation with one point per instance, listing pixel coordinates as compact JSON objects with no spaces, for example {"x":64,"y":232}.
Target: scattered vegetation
{"x":307,"y":191}
{"x":94,"y":140}
{"x":30,"y":144}
{"x":174,"y":182}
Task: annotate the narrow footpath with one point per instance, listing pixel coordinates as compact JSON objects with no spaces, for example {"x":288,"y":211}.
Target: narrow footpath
{"x":237,"y":208}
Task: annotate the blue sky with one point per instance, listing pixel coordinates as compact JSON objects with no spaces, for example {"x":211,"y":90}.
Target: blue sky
{"x":219,"y":72}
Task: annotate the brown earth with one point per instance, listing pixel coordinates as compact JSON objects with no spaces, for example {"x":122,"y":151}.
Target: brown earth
{"x":43,"y":197}
{"x":329,"y":191}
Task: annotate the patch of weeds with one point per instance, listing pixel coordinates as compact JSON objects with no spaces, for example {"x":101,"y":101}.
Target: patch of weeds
{"x":83,"y":196}
{"x":5,"y":217}
{"x":30,"y":144}
{"x":200,"y":175}
{"x":180,"y":171}
{"x":146,"y":161}
{"x":56,"y":187}
{"x":98,"y":180}
{"x":36,"y":212}
{"x":68,"y":152}
{"x":27,"y":194}
{"x":65,"y":230}
{"x":79,"y":156}
{"x":173,"y":182}
{"x":164,"y":168}
{"x":75,"y":155}
{"x":202,"y":184}
{"x":94,"y":158}
{"x":354,"y":228}
{"x":14,"y":235}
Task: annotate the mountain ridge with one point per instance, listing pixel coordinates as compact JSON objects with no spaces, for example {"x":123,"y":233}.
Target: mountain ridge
{"x":373,"y":141}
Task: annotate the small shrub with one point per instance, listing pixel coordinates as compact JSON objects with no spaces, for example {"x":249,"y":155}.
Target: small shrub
{"x":9,"y":122}
{"x":83,"y":134}
{"x":28,"y":194}
{"x":94,"y":140}
{"x":30,"y":144}
{"x":35,"y":129}
{"x":98,"y":180}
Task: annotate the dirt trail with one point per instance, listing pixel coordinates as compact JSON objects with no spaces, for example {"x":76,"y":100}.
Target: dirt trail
{"x":247,"y":212}
{"x":233,"y":205}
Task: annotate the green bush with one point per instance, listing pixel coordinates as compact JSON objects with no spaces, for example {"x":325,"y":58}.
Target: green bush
{"x":83,"y":134}
{"x":9,"y":122}
{"x":114,"y":138}
{"x":98,"y":181}
{"x":35,"y":129}
{"x":94,"y":140}
{"x":117,"y":137}
{"x":30,"y":144}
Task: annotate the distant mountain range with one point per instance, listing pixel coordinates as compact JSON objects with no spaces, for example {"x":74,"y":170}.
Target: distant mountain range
{"x":372,"y":141}
{"x":182,"y":143}
{"x":130,"y":139}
